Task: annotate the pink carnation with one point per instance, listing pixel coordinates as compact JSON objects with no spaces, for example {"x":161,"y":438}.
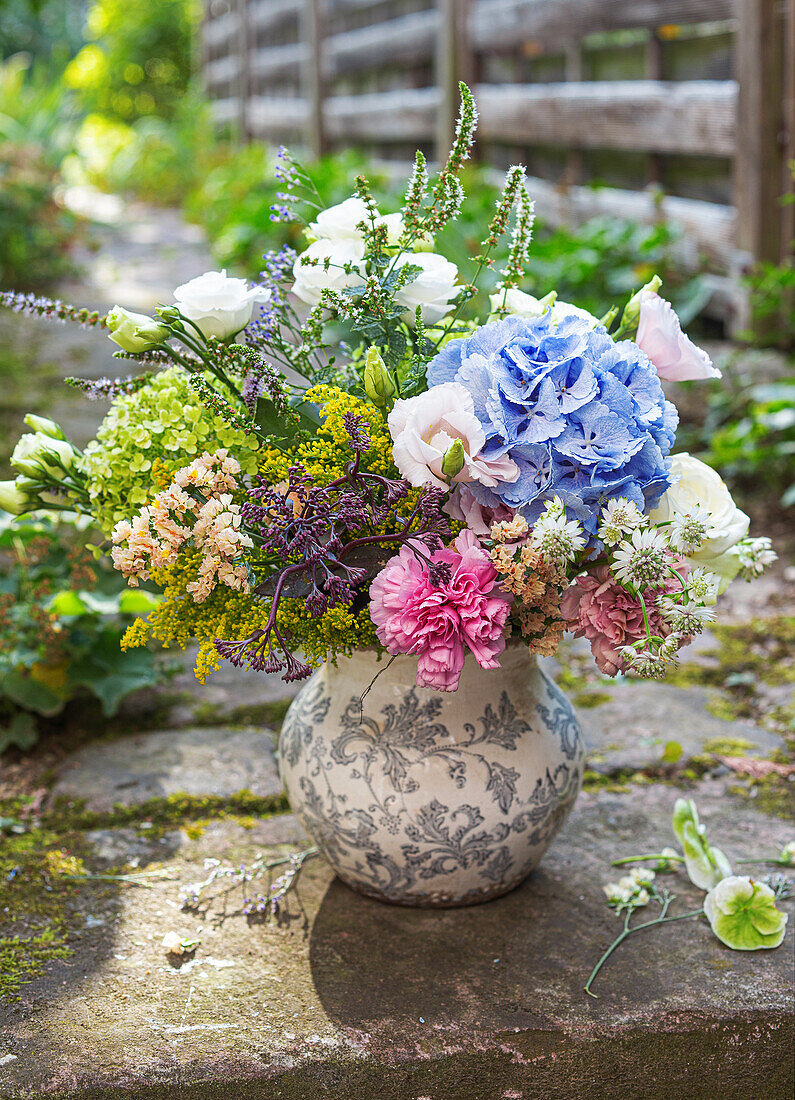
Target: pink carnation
{"x":439,"y":622}
{"x":598,"y":608}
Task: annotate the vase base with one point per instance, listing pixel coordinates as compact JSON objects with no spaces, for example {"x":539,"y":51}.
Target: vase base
{"x":439,"y":899}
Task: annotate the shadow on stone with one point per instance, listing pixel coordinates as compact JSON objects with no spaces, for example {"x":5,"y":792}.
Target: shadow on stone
{"x":378,"y":967}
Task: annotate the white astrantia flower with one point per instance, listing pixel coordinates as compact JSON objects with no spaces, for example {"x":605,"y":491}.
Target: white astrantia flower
{"x":619,"y":517}
{"x":754,"y":556}
{"x":702,"y":586}
{"x":640,"y":561}
{"x":218,"y":304}
{"x":557,"y":538}
{"x":322,"y":266}
{"x":434,"y":289}
{"x":688,"y":530}
{"x":425,"y":427}
{"x":697,"y":488}
{"x":685,"y":618}
{"x":645,"y":663}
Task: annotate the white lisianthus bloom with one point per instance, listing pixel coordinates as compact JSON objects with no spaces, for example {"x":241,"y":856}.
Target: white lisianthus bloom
{"x":12,"y":500}
{"x":516,"y":303}
{"x":312,"y":278}
{"x":698,"y":489}
{"x":433,"y":290}
{"x":341,"y":222}
{"x":423,"y":428}
{"x":218,"y":304}
{"x":36,"y":454}
{"x":134,"y":332}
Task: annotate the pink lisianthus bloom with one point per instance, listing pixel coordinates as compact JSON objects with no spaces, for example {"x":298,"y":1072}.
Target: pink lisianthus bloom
{"x":423,"y":428}
{"x":598,"y":608}
{"x":464,"y":506}
{"x":674,"y":355}
{"x":440,"y":622}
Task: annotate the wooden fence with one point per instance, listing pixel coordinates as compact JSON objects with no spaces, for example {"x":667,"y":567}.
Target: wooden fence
{"x":693,"y":100}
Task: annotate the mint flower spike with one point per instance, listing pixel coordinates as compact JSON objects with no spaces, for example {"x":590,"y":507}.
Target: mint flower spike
{"x":705,"y":865}
{"x":743,"y":914}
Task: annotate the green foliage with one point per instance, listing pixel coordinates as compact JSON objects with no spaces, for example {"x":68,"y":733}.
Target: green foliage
{"x":748,"y":433}
{"x":155,"y":159}
{"x":47,"y":29}
{"x":772,"y":290}
{"x":235,"y":189}
{"x":36,"y":124}
{"x":138,"y":59}
{"x":60,"y":628}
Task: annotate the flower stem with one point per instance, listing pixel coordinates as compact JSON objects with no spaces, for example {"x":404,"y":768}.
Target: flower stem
{"x":662,"y":919}
{"x":643,"y":859}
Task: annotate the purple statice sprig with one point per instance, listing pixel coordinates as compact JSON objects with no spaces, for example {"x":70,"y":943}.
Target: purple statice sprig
{"x":276,"y":276}
{"x":226,"y":879}
{"x":322,"y":533}
{"x":35,"y":305}
{"x":97,"y":389}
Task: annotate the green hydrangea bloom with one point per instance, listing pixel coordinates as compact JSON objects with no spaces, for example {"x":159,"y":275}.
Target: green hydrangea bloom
{"x":743,"y":914}
{"x":163,"y":420}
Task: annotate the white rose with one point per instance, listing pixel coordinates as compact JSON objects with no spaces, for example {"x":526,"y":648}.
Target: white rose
{"x":423,"y":428}
{"x":699,"y":486}
{"x":339,"y":223}
{"x":433,"y":290}
{"x":517,"y":303}
{"x":36,"y":454}
{"x":313,"y":278}
{"x":218,"y":304}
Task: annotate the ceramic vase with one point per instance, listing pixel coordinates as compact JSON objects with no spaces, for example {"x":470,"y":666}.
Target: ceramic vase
{"x":427,"y":798}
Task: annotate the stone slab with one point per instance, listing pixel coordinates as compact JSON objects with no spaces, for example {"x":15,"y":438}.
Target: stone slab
{"x":631,"y":730}
{"x":206,"y":761}
{"x":347,"y":998}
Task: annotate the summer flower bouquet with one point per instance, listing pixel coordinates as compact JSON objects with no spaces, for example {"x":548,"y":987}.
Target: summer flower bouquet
{"x":356,"y":453}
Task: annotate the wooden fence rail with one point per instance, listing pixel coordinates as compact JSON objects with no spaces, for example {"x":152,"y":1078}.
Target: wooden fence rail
{"x":582,"y":90}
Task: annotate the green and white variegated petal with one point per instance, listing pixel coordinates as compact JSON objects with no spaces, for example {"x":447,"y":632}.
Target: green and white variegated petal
{"x":743,"y":914}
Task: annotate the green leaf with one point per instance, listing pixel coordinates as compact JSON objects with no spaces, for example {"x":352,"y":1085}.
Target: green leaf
{"x":68,"y":603}
{"x":22,"y":732}
{"x":134,"y":601}
{"x":30,"y":694}
{"x":672,"y":752}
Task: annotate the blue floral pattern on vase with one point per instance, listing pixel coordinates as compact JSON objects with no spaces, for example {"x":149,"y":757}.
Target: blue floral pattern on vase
{"x":429,"y":799}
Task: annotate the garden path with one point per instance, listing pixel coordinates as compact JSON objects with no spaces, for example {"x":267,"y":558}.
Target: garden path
{"x":134,"y":254}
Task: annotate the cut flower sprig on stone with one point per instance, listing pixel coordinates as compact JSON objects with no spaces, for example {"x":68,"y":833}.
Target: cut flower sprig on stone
{"x":741,"y":911}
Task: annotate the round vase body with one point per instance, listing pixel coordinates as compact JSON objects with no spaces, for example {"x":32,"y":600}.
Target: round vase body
{"x":426,"y":798}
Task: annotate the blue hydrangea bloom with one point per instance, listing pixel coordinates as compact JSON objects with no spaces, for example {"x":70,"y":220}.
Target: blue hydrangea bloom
{"x":583,"y":417}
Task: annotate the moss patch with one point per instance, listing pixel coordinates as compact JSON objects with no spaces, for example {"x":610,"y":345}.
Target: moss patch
{"x":587,"y":700}
{"x":254,"y":714}
{"x":161,"y":814}
{"x":37,"y":899}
